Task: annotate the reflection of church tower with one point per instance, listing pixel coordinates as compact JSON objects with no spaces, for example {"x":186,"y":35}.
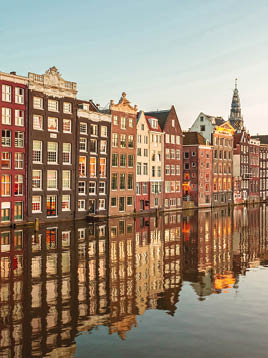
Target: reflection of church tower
{"x":236,"y":119}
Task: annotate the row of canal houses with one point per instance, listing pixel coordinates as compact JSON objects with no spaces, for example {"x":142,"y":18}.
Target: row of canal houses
{"x":63,"y":158}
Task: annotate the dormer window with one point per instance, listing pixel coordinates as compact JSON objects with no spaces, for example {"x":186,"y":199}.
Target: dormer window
{"x":201,"y":119}
{"x":154,"y":123}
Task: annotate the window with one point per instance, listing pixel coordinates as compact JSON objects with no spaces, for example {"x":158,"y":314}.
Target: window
{"x":145,"y":152}
{"x":37,"y":180}
{"x":51,"y":205}
{"x":172,"y":152}
{"x":178,"y":170}
{"x":123,"y":123}
{"x":5,"y":160}
{"x":52,"y":179}
{"x":101,"y":204}
{"x":81,"y":205}
{"x":67,"y":107}
{"x":6,"y":93}
{"x":114,"y":181}
{"x":129,"y":201}
{"x":167,"y":138}
{"x":93,"y":145}
{"x":104,"y":131}
{"x":115,"y":140}
{"x":52,"y":153}
{"x":36,"y":204}
{"x":52,"y":124}
{"x":103,"y":146}
{"x":19,"y":160}
{"x":66,"y":203}
{"x":101,"y":188}
{"x":139,"y":152}
{"x":122,"y":181}
{"x":66,"y":153}
{"x":92,"y":188}
{"x":66,"y":180}
{"x":145,"y":188}
{"x":102,"y":168}
{"x":123,"y":141}
{"x":81,"y":187}
{"x":114,"y":160}
{"x":173,"y":123}
{"x":53,"y":105}
{"x":82,"y":166}
{"x":92,"y":166}
{"x":6,"y":138}
{"x":113,"y":202}
{"x":38,"y":103}
{"x":94,"y":129}
{"x":138,"y":188}
{"x":122,"y":160}
{"x":159,"y":171}
{"x":145,"y":168}
{"x":130,"y":181}
{"x":130,"y":141}
{"x":67,"y":126}
{"x":153,"y":171}
{"x":6,"y":116}
{"x":37,"y":151}
{"x":18,"y":187}
{"x":115,"y":120}
{"x":130,"y":123}
{"x":83,"y":128}
{"x":19,"y":139}
{"x":186,"y":155}
{"x":5,"y":185}
{"x":138,"y":168}
{"x":202,"y":128}
{"x":19,"y":95}
{"x":167,"y":153}
{"x":178,"y":140}
{"x":83,"y":144}
{"x":37,"y":122}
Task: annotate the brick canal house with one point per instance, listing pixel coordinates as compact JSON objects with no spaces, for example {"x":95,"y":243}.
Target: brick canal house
{"x":222,"y":139}
{"x":13,"y":163}
{"x":254,"y":167}
{"x":169,"y":124}
{"x":197,"y":171}
{"x":156,"y":162}
{"x":143,"y":164}
{"x":241,"y":172}
{"x":263,"y":165}
{"x":51,"y":147}
{"x":93,"y":160}
{"x":123,"y":153}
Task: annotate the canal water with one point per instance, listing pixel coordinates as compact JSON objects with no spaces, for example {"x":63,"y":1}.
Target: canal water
{"x":191,"y":284}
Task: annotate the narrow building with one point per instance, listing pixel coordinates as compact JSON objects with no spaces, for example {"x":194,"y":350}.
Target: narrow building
{"x":222,"y":162}
{"x":13,"y":148}
{"x":142,"y":164}
{"x":123,"y":153}
{"x":254,"y":168}
{"x":197,"y":171}
{"x":169,"y":123}
{"x":205,"y":124}
{"x":263,"y":165}
{"x":93,"y":161}
{"x":51,"y":147}
{"x":156,"y":162}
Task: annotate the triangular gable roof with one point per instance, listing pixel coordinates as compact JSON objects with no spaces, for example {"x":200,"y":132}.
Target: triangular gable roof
{"x":163,"y":116}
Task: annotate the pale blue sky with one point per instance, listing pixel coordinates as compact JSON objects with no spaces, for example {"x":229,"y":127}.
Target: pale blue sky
{"x":181,"y":52}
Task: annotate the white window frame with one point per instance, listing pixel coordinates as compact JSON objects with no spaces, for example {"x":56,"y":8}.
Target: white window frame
{"x":37,"y":122}
{"x":39,"y":180}
{"x":19,"y":95}
{"x":6,"y":93}
{"x":66,"y":180}
{"x":37,"y":200}
{"x":53,"y":105}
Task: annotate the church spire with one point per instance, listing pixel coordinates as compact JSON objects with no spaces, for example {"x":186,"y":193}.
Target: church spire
{"x":236,"y":118}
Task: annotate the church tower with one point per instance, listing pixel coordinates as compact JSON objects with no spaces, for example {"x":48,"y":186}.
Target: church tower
{"x":236,"y":119}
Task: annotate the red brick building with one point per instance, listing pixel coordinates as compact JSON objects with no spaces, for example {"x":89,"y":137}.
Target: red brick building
{"x":169,"y":123}
{"x":197,"y":171}
{"x":13,"y":123}
{"x":123,"y":157}
{"x":254,"y":167}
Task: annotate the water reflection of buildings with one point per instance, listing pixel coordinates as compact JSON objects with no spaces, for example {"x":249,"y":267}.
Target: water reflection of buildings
{"x":73,"y":277}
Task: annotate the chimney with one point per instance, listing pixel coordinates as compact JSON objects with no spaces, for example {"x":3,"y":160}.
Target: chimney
{"x":13,"y":73}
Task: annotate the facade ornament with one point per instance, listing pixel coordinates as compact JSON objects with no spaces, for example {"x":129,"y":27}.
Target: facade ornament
{"x":123,"y":105}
